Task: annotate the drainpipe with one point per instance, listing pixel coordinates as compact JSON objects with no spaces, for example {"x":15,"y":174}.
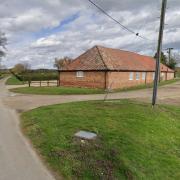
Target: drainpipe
{"x":105,"y":85}
{"x":146,"y":78}
{"x":59,"y":77}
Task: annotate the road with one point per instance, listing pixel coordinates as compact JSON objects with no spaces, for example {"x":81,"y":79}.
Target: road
{"x":17,"y":159}
{"x":168,"y":94}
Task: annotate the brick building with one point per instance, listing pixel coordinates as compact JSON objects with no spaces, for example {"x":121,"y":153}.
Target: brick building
{"x":107,"y":68}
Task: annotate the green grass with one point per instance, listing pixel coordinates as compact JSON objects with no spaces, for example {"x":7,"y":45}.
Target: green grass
{"x":134,"y":141}
{"x":73,"y":90}
{"x":3,"y":75}
{"x":56,"y":90}
{"x":145,"y":86}
{"x":13,"y":81}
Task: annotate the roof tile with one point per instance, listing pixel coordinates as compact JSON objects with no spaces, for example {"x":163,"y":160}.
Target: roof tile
{"x":102,"y":58}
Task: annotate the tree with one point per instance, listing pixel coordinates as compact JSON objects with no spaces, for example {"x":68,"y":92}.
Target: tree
{"x":172,"y":63}
{"x":27,"y":66}
{"x":62,"y":62}
{"x":3,"y":43}
{"x":164,"y":59}
{"x":20,"y":68}
{"x":176,"y":57}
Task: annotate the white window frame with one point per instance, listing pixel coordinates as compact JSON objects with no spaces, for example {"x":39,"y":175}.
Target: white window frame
{"x":137,"y":75}
{"x":131,"y":76}
{"x":162,"y":74}
{"x":153,"y":76}
{"x":143,"y":75}
{"x":79,"y":74}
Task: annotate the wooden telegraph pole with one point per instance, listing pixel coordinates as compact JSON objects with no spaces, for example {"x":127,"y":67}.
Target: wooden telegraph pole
{"x":169,"y":53}
{"x":159,"y":48}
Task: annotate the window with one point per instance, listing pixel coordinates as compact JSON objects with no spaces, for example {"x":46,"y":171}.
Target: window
{"x":79,"y":74}
{"x":153,"y":75}
{"x":137,"y":76}
{"x":131,"y":76}
{"x":143,"y":76}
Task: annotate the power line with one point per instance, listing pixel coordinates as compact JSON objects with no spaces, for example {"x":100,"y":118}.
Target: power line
{"x":124,"y":27}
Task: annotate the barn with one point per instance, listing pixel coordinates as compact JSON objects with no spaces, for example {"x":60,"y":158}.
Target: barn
{"x":107,"y":68}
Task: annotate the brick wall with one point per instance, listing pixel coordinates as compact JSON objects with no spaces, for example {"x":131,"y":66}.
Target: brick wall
{"x":149,"y":77}
{"x":115,"y":80}
{"x":170,"y":76}
{"x":118,"y":80}
{"x":91,"y":79}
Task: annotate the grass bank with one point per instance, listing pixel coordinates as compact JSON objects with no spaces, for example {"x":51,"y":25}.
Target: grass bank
{"x":134,"y":141}
{"x":13,"y":81}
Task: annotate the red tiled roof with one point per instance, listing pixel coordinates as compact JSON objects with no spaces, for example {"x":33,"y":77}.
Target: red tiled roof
{"x":102,"y":58}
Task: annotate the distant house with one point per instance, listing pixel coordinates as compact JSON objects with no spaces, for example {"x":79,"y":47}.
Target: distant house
{"x":101,"y":67}
{"x":177,"y":71}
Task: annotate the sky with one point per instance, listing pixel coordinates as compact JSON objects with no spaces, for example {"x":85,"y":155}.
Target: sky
{"x":38,"y":31}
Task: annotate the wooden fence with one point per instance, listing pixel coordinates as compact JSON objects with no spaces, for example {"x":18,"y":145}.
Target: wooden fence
{"x":51,"y":83}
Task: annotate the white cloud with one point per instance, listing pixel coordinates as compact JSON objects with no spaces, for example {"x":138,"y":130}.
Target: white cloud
{"x":26,"y":21}
{"x":46,"y":42}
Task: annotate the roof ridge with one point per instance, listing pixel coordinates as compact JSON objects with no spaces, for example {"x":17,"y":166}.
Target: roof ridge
{"x":101,"y":57}
{"x":123,"y":50}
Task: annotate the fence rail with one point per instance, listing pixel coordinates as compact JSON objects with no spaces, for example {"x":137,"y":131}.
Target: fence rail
{"x":43,"y":83}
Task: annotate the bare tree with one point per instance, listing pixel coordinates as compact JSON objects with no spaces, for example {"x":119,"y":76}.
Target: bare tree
{"x":62,"y":62}
{"x":176,"y":57}
{"x":27,"y":66}
{"x":3,"y":43}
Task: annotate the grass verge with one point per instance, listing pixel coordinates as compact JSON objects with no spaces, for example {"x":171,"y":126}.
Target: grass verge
{"x":13,"y":81}
{"x":146,"y":86}
{"x":134,"y":141}
{"x":56,"y":90}
{"x":73,"y":90}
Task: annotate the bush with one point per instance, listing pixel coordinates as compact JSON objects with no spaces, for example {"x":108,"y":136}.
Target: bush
{"x":37,"y":76}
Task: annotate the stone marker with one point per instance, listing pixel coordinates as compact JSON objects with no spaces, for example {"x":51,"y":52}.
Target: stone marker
{"x":85,"y":135}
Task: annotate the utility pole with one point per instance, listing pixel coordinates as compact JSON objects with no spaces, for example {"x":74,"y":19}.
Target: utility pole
{"x":159,"y":49}
{"x":169,"y":53}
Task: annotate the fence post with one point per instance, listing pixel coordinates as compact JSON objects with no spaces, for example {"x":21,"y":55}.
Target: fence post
{"x":29,"y":82}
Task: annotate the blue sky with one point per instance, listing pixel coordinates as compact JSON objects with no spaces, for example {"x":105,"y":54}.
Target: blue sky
{"x":61,"y":27}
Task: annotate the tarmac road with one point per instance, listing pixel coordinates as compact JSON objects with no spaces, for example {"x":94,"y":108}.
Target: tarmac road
{"x":18,"y":161}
